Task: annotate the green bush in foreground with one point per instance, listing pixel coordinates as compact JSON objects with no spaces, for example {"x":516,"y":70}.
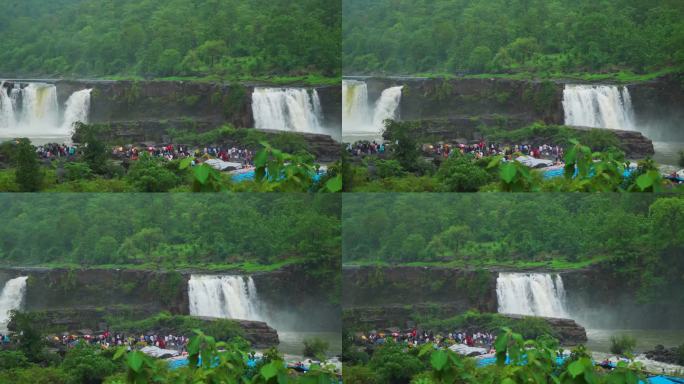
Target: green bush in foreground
{"x":622,"y":344}
{"x":315,"y":347}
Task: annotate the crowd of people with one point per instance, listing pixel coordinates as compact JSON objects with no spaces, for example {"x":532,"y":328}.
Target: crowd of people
{"x":479,"y":150}
{"x":414,"y":338}
{"x":54,"y":150}
{"x":170,"y":152}
{"x":107,"y":339}
{"x":365,"y":148}
{"x":483,"y":149}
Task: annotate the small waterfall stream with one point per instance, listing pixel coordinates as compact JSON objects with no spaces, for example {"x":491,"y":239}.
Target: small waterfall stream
{"x":532,"y":294}
{"x":11,"y":298}
{"x":362,"y":119}
{"x":227,"y":297}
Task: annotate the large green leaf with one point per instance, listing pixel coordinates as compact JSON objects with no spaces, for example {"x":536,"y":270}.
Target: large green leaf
{"x":135,"y":361}
{"x":270,"y":370}
{"x":438,"y":359}
{"x":508,"y":172}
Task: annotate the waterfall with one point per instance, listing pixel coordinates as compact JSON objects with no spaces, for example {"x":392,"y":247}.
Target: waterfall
{"x":387,"y":106}
{"x":598,"y":106}
{"x":287,"y":109}
{"x":77,"y":109}
{"x":359,"y":118}
{"x":39,"y":106}
{"x":356,"y":110}
{"x":228,"y":297}
{"x":34,"y":112}
{"x":11,"y":298}
{"x":533,"y":294}
{"x":7,"y":118}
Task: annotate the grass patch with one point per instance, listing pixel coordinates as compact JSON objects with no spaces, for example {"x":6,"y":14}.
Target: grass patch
{"x":621,"y":77}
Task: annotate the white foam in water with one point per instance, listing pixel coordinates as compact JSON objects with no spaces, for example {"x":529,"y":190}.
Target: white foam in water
{"x":359,"y":118}
{"x":77,"y":109}
{"x":531,"y":294}
{"x":228,"y":297}
{"x":34,"y":112}
{"x":11,"y":298}
{"x":287,"y":109}
{"x":598,"y":106}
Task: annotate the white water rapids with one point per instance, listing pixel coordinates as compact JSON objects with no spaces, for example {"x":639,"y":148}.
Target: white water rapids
{"x":34,"y":111}
{"x":360,"y":118}
{"x":11,"y":298}
{"x":598,"y":106}
{"x":287,"y":109}
{"x":227,"y":297}
{"x":531,"y":294}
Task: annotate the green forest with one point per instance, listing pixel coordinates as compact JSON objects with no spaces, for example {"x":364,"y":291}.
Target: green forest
{"x":637,"y":236}
{"x":227,"y":39}
{"x":505,"y":36}
{"x":241,"y":231}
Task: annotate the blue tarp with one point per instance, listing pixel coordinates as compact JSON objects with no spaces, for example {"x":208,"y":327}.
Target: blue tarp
{"x":249,"y":175}
{"x":179,"y":363}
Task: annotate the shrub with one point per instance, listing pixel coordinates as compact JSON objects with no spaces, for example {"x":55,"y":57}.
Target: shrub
{"x":149,"y":174}
{"x":360,"y":375}
{"x":13,"y":359}
{"x":622,"y":344}
{"x":77,"y":171}
{"x":315,"y":347}
{"x":86,"y":365}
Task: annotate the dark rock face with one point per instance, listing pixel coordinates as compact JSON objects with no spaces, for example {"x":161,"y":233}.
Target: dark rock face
{"x":297,"y":301}
{"x":378,"y":286}
{"x":602,"y":300}
{"x":113,"y":101}
{"x":518,"y":100}
{"x":659,"y":108}
{"x":61,"y":288}
{"x":567,"y":330}
{"x":260,"y":334}
{"x":633,"y":143}
{"x":401,"y":316}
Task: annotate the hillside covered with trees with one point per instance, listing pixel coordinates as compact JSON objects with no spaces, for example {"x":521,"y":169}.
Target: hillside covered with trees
{"x":234,"y":39}
{"x":504,"y":36}
{"x":222,"y":231}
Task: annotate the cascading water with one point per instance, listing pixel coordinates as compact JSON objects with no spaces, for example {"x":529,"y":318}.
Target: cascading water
{"x":532,"y":294}
{"x":11,"y":298}
{"x":598,"y":106}
{"x":228,"y":297}
{"x":7,"y":118}
{"x":359,"y":118}
{"x":356,"y":110}
{"x":77,"y":109}
{"x":387,"y":105}
{"x":287,"y":109}
{"x":34,"y":112}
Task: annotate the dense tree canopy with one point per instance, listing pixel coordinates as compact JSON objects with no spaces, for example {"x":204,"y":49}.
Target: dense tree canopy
{"x":171,"y":229}
{"x":475,"y":36}
{"x":228,"y":38}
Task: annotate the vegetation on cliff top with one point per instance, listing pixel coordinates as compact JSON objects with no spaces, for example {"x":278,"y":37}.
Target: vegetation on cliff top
{"x":537,"y":38}
{"x":219,"y":39}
